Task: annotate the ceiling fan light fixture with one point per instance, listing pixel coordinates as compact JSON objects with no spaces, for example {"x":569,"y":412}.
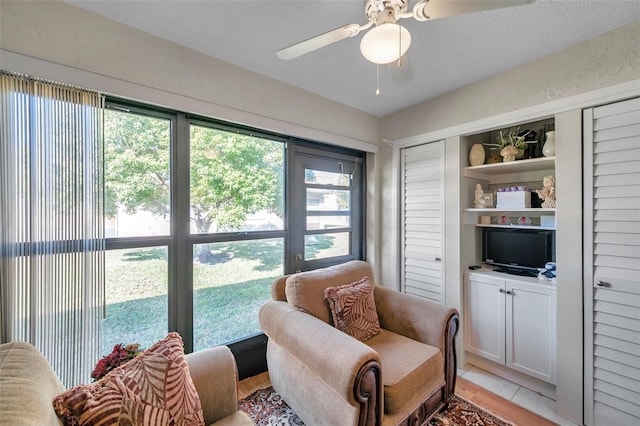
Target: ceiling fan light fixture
{"x":385,"y":43}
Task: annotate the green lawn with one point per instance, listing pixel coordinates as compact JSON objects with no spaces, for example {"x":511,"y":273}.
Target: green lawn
{"x":227,"y":293}
{"x":228,"y":290}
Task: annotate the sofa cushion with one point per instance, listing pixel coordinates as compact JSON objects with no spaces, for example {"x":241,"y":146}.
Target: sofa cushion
{"x":305,"y":290}
{"x":353,"y":309}
{"x":409,"y":368}
{"x":154,"y":388}
{"x":27,"y":386}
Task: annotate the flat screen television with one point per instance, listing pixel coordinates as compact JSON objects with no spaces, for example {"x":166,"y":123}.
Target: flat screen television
{"x":518,"y":251}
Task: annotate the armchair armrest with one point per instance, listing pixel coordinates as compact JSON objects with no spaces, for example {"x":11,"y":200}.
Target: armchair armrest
{"x":215,"y":377}
{"x":310,"y":340}
{"x":422,"y":320}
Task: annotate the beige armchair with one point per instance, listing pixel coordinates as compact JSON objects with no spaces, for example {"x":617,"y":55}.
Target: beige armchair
{"x":403,"y":375}
{"x":28,"y":385}
{"x":215,"y":376}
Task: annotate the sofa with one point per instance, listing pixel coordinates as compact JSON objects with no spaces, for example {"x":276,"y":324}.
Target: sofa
{"x":28,"y":386}
{"x":401,"y":376}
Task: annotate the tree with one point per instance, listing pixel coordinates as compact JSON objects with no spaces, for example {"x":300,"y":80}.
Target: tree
{"x":137,"y":163}
{"x":232,"y":175}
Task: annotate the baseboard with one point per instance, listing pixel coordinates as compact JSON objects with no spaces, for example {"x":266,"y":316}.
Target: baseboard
{"x":531,"y":383}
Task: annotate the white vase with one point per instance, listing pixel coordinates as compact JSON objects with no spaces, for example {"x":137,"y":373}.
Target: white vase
{"x":549,"y":148}
{"x":476,"y":155}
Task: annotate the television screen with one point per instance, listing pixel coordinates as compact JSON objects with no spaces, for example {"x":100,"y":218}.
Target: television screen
{"x":518,"y":250}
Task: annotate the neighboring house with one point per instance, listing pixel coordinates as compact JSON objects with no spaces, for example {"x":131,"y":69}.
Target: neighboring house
{"x":36,"y":39}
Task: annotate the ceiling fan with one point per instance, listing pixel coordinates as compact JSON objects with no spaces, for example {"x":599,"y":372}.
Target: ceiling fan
{"x":388,"y":41}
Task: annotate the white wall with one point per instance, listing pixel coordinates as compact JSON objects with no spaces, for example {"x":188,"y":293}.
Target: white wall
{"x":606,"y":60}
{"x":129,"y":63}
{"x":603,"y":69}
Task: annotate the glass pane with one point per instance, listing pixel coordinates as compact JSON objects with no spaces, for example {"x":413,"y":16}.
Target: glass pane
{"x":136,"y":174}
{"x":136,"y":297}
{"x":237,"y":182}
{"x":323,"y":246}
{"x":328,"y":199}
{"x":326,"y":178}
{"x":327,"y":222}
{"x":230,"y":282}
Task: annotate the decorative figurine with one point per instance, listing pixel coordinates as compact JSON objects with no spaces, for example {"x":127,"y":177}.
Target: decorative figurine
{"x":524,"y":220}
{"x":479,"y":202}
{"x":503,"y":220}
{"x":476,"y":154}
{"x":548,"y":192}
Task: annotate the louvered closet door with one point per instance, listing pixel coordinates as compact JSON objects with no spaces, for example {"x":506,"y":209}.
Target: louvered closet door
{"x":422,"y":220}
{"x":612,"y":264}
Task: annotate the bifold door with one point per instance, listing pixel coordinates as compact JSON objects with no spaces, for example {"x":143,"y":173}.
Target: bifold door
{"x":423,"y":220}
{"x":612,"y":263}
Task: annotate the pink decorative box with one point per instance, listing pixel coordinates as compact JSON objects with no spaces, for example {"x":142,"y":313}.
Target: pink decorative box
{"x":514,"y":200}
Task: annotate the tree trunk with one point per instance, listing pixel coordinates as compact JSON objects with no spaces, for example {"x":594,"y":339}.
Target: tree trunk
{"x":203,"y":252}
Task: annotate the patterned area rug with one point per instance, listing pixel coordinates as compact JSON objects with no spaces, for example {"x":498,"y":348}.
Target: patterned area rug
{"x":267,"y":408}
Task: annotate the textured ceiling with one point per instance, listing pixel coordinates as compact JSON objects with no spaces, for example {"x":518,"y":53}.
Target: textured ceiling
{"x":445,"y":54}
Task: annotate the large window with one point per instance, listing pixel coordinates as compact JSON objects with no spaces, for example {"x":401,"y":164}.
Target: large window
{"x":199,"y":223}
{"x":132,"y":221}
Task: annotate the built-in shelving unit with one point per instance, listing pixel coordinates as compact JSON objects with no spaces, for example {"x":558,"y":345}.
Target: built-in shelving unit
{"x":507,"y":173}
{"x":487,"y":293}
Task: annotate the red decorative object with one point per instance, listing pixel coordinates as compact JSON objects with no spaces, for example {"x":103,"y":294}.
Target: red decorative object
{"x":118,"y":356}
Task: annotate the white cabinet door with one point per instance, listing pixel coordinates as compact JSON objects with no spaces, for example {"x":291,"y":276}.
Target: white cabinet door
{"x":484,"y":317}
{"x":612,"y":263}
{"x":423,"y":220}
{"x":531,"y":330}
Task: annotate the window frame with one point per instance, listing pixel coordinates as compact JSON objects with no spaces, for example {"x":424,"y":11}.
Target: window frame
{"x":180,"y":241}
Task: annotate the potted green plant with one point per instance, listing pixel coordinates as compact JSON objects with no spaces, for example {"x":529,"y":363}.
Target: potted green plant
{"x":511,"y":143}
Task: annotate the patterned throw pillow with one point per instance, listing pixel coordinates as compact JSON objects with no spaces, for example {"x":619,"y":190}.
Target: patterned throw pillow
{"x":153,"y":389}
{"x":353,"y":309}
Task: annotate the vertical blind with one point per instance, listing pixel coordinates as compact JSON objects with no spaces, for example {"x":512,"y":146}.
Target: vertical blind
{"x":51,"y":221}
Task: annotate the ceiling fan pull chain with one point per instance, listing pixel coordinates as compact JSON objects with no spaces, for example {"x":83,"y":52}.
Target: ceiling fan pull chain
{"x":377,"y":79}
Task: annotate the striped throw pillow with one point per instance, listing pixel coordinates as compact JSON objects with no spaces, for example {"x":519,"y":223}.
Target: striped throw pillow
{"x":153,"y":389}
{"x":353,"y":309}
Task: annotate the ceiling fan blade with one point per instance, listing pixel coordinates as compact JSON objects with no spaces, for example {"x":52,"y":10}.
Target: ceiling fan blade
{"x":434,"y":9}
{"x":322,"y":40}
{"x":401,"y":73}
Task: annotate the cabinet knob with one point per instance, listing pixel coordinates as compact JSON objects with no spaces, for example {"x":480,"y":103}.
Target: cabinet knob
{"x":603,"y":284}
{"x":437,"y":259}
{"x":501,"y":290}
{"x":511,"y":292}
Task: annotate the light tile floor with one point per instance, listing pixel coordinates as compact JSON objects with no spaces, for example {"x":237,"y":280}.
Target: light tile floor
{"x":517,"y":394}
